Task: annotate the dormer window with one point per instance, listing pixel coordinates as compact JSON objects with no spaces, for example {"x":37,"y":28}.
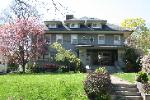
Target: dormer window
{"x":52,"y":25}
{"x":96,"y":25}
{"x":74,"y":25}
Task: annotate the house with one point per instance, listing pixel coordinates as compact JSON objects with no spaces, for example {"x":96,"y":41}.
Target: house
{"x":94,"y":41}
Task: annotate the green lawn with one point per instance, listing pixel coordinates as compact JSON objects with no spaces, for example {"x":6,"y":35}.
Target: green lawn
{"x":42,"y":87}
{"x":130,"y":77}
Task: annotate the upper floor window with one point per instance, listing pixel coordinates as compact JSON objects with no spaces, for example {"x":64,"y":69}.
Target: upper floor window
{"x":96,"y":25}
{"x":74,"y":38}
{"x":84,"y":40}
{"x":52,"y":25}
{"x":59,"y":38}
{"x":101,"y":39}
{"x":74,"y":25}
{"x":117,"y":39}
{"x":48,"y":38}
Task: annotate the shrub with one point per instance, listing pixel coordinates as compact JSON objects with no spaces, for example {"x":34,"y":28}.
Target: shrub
{"x":142,"y":77}
{"x":50,"y":67}
{"x":132,"y":60}
{"x":147,"y":88}
{"x":97,"y":85}
{"x":101,"y":70}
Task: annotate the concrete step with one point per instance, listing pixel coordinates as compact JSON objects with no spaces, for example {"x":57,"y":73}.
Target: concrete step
{"x":127,"y":93}
{"x":125,"y":85}
{"x":119,"y":97}
{"x":125,"y":89}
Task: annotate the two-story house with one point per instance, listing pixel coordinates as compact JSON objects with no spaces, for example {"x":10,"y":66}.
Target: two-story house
{"x":93,"y":40}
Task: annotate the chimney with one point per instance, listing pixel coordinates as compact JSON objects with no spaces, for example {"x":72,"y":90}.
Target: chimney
{"x":69,"y":17}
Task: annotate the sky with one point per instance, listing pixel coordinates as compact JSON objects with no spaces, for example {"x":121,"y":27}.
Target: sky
{"x":114,"y":11}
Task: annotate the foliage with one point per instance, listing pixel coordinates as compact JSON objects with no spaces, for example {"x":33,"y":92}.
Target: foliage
{"x":131,"y":58}
{"x":22,"y":40}
{"x":141,"y":34}
{"x":133,"y":23}
{"x":66,"y":57}
{"x":142,"y":77}
{"x":98,"y":85}
{"x":101,"y":70}
{"x":146,"y":88}
{"x":42,"y":87}
{"x":145,"y":61}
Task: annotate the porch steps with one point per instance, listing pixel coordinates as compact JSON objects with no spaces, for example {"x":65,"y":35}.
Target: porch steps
{"x":125,"y":92}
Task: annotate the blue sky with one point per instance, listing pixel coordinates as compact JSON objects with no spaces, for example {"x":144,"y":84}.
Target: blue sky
{"x":112,"y":10}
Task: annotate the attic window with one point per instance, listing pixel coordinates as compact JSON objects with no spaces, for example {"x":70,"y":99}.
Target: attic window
{"x":96,"y":25}
{"x":52,"y":26}
{"x":74,"y":25}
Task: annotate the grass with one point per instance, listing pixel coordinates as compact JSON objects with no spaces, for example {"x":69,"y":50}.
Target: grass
{"x":130,"y":77}
{"x":42,"y":87}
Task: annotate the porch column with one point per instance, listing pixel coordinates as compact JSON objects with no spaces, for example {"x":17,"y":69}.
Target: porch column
{"x":83,"y":55}
{"x":120,"y":57}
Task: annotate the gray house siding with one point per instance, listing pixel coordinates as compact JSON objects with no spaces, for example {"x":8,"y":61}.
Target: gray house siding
{"x":85,"y":40}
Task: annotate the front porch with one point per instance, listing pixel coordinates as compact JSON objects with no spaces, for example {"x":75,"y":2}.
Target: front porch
{"x":95,"y":57}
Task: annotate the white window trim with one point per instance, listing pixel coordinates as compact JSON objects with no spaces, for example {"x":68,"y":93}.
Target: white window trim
{"x":53,"y":25}
{"x":76,"y":25}
{"x":117,"y":42}
{"x":49,"y":36}
{"x":59,"y":35}
{"x":73,"y":36}
{"x":98,"y":25}
{"x":100,"y":41}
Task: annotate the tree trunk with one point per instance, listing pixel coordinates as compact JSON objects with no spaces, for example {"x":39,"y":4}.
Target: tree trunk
{"x":23,"y":67}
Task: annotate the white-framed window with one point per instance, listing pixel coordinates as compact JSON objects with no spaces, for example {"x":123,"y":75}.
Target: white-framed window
{"x":59,"y":38}
{"x":101,"y":39}
{"x":84,"y":40}
{"x":96,"y":25}
{"x":117,"y":39}
{"x":74,"y":25}
{"x":52,"y":25}
{"x":74,"y":39}
{"x":48,"y":38}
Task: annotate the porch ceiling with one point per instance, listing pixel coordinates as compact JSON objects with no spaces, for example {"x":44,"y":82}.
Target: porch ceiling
{"x":99,"y":47}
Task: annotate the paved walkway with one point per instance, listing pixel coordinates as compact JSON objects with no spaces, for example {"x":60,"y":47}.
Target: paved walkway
{"x":116,"y":80}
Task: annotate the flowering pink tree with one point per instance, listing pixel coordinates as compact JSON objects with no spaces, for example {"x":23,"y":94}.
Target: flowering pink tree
{"x":22,"y":40}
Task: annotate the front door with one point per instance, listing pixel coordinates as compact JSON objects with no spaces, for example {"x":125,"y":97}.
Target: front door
{"x":105,"y":58}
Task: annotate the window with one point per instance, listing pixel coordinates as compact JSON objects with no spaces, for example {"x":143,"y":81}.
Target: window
{"x":52,"y":26}
{"x":101,"y":39}
{"x":84,"y":40}
{"x":48,"y":38}
{"x":117,"y":39}
{"x":74,"y":39}
{"x":74,"y":25}
{"x":96,"y":25}
{"x":59,"y":38}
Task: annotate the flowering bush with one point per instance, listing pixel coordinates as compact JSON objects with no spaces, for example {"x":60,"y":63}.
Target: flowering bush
{"x":97,"y":85}
{"x":145,"y":61}
{"x":51,"y":67}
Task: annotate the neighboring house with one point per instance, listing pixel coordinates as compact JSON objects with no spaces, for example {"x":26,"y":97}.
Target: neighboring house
{"x":3,"y":65}
{"x":93,"y":40}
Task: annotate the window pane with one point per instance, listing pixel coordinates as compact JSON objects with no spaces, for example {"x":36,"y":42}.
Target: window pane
{"x":59,"y":38}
